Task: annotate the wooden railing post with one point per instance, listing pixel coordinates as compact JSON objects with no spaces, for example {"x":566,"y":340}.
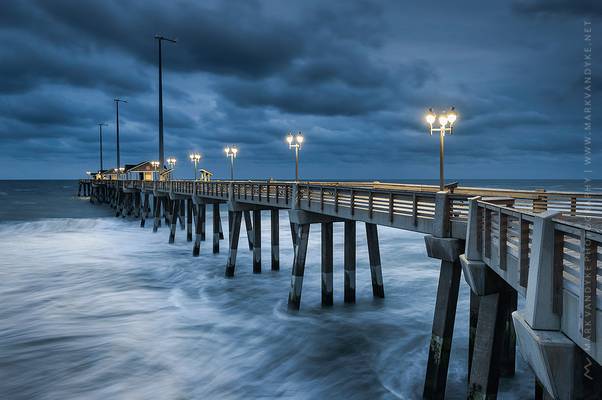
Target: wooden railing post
{"x":539,"y":309}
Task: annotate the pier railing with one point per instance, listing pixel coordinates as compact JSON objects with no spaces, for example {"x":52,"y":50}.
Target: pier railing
{"x":394,"y":201}
{"x":512,"y":241}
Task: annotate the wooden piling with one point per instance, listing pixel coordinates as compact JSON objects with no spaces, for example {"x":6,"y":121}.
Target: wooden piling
{"x":196,"y":248}
{"x":472,"y":326}
{"x":249,"y":227}
{"x":157,"y":213}
{"x":257,"y":241}
{"x":349,"y":261}
{"x":443,"y":330}
{"x":294,"y":234}
{"x":189,"y":220}
{"x":327,"y":263}
{"x":144,"y":213}
{"x":175,"y":211}
{"x":203,"y":210}
{"x":216,"y":228}
{"x":294,"y":296}
{"x":488,"y":345}
{"x":181,"y":213}
{"x":378,"y":289}
{"x":508,"y":356}
{"x":220,"y":229}
{"x":234,"y":236}
{"x":275,"y":238}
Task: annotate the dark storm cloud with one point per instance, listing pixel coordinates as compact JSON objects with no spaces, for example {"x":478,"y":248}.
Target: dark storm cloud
{"x":577,"y":8}
{"x":356,"y":77}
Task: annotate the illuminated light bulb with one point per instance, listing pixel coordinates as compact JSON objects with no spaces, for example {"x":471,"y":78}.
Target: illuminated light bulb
{"x":443,"y":120}
{"x":431,"y":117}
{"x":289,"y":138}
{"x":300,"y":138}
{"x":452,"y":116}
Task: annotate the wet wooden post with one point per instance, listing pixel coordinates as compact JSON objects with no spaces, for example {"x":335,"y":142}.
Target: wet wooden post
{"x":378,"y":289}
{"x":327,"y":263}
{"x":174,"y":222}
{"x":181,"y":213}
{"x":489,"y":343}
{"x":188,"y":220}
{"x":234,"y":236}
{"x":508,"y":356}
{"x":157,"y":212}
{"x":294,"y":233}
{"x":216,"y":226}
{"x":472,"y":328}
{"x":203,"y":210}
{"x":294,"y":296}
{"x":196,"y":249}
{"x":167,"y":210}
{"x":144,"y":214}
{"x":275,"y":236}
{"x":249,"y":226}
{"x":349,"y":261}
{"x":443,"y":330}
{"x":79,"y":189}
{"x":220,"y":229}
{"x":256,"y":241}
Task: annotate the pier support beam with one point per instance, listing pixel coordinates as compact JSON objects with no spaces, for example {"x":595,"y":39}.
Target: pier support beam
{"x":249,"y":227}
{"x":235,"y":217}
{"x":256,"y":241}
{"x":349,"y":261}
{"x":376,"y":272}
{"x":144,"y":214}
{"x":216,"y":228}
{"x":275,"y":238}
{"x":196,"y":248}
{"x":174,"y":212}
{"x":447,"y":250}
{"x":203,"y":211}
{"x":188,"y":220}
{"x":327,"y":263}
{"x":157,"y":212}
{"x":302,"y":238}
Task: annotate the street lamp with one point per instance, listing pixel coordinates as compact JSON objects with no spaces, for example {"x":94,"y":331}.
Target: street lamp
{"x":231,"y":152}
{"x":160,"y":39}
{"x":195,"y":158}
{"x":298,"y":141}
{"x":446,"y":125}
{"x":171,"y":161}
{"x":100,"y":125}
{"x":117,"y":101}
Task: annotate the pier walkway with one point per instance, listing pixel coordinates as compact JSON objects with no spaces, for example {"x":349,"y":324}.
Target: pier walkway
{"x":545,"y":246}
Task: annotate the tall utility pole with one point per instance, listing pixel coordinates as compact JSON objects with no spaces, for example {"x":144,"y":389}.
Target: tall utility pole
{"x":117,"y":101}
{"x":100,"y":125}
{"x":161,"y":147}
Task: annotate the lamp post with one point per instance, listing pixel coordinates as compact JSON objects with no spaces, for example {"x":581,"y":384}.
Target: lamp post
{"x":446,"y":125}
{"x":231,"y":152}
{"x":171,"y":161}
{"x":155,"y":165}
{"x":298,"y":141}
{"x":195,"y":158}
{"x":117,"y":101}
{"x":100,"y":125}
{"x":161,"y":153}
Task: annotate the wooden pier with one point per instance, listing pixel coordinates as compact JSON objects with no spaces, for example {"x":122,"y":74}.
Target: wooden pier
{"x":543,"y":246}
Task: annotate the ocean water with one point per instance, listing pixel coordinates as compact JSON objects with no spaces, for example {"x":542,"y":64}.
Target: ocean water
{"x":94,"y":307}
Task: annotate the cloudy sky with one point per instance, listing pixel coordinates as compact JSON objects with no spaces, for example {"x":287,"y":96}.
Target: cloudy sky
{"x":354,"y":76}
